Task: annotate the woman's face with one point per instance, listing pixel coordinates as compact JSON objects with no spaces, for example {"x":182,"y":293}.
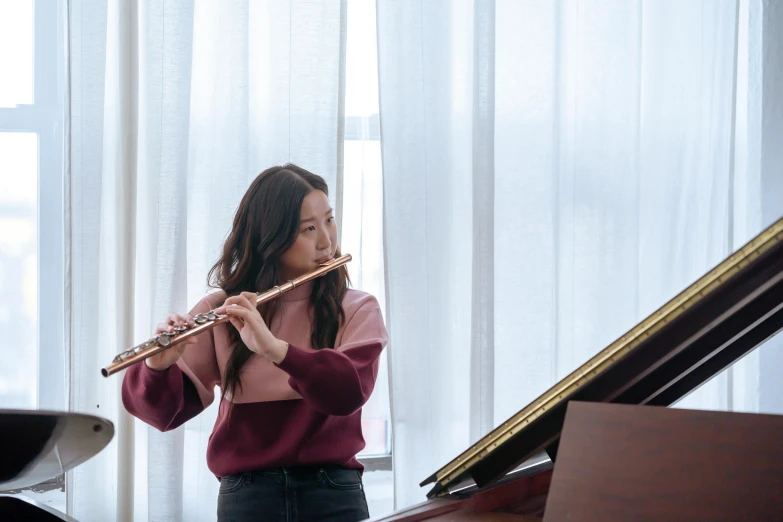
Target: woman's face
{"x":317,"y":239}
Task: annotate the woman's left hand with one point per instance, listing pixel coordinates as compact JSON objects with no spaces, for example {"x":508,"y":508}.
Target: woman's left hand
{"x":245,"y":317}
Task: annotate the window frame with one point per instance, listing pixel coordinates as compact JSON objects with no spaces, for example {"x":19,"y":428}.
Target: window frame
{"x":367,"y":128}
{"x":45,"y":117}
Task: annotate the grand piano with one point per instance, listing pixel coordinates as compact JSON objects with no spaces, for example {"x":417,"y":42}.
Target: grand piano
{"x":36,"y":446}
{"x":601,"y":444}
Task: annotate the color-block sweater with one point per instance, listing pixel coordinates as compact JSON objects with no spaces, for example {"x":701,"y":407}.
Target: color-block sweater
{"x":304,"y":411}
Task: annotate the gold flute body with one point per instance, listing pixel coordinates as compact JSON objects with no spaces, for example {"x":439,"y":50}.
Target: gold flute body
{"x":208,"y":320}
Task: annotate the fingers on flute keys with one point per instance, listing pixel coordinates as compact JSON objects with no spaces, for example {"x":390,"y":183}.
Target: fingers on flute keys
{"x":245,"y":300}
{"x":177,"y":323}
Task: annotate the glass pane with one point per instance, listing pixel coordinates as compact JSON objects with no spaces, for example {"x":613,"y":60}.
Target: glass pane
{"x":18,"y":270}
{"x":361,"y":220}
{"x":361,"y":60}
{"x":16,"y":52}
{"x":362,"y":234}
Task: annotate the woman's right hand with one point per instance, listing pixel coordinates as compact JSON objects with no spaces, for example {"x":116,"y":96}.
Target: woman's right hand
{"x":161,"y":361}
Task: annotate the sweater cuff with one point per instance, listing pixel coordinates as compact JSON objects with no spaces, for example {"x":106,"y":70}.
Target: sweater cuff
{"x":159,"y":379}
{"x":294,"y":362}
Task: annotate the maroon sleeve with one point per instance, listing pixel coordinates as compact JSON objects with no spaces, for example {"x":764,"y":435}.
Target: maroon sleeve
{"x":163,"y":399}
{"x":166,"y":399}
{"x":339,"y":381}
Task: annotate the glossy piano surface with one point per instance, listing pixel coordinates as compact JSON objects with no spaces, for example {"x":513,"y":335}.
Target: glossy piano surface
{"x":36,"y":446}
{"x":40,"y":445}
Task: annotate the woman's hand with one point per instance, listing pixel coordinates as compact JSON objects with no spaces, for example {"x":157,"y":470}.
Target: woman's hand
{"x":161,"y":361}
{"x":245,"y":317}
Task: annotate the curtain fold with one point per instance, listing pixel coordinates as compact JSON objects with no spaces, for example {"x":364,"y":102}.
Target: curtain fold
{"x":175,"y":107}
{"x":425,"y":57}
{"x":553,"y":172}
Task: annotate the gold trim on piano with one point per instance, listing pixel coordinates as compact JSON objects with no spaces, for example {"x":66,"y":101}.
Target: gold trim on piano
{"x":619,"y":348}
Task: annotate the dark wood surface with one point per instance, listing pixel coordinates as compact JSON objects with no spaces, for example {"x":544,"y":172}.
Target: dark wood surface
{"x":479,"y":516}
{"x":625,"y":462}
{"x":520,"y":497}
{"x":523,"y":498}
{"x":423,"y":511}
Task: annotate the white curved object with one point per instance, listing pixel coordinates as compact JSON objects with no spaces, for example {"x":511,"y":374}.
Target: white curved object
{"x":39,"y":445}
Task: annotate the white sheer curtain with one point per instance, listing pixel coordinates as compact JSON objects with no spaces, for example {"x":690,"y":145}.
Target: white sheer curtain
{"x":553,"y":172}
{"x":174,"y":107}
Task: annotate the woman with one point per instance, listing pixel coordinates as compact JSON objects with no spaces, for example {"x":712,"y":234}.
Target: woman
{"x":293,"y":374}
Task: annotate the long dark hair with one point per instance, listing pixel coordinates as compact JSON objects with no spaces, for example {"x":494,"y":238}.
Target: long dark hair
{"x":266,"y":224}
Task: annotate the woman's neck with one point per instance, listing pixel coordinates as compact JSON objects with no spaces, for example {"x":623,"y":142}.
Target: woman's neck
{"x":299,"y":293}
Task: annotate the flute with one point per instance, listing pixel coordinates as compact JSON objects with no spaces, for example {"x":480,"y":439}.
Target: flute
{"x":208,"y":320}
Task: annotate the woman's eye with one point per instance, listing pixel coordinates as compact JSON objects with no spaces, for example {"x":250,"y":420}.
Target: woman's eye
{"x":330,"y":219}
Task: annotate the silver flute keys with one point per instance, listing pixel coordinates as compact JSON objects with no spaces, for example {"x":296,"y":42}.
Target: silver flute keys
{"x":211,"y":319}
{"x":164,"y":339}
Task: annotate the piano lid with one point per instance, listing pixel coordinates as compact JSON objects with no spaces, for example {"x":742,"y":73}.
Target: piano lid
{"x":725,"y":314}
{"x":39,"y":445}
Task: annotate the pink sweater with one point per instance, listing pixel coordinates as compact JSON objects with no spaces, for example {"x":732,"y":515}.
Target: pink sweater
{"x":306,"y":410}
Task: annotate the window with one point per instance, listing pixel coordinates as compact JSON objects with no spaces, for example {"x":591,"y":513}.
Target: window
{"x":362,"y":230}
{"x":31,"y":208}
{"x":32,"y":254}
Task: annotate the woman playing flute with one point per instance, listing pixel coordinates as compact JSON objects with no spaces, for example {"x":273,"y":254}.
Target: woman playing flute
{"x":293,"y":374}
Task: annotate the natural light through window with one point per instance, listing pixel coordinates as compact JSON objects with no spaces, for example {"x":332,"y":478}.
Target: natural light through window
{"x":32,"y":371}
{"x":32,"y":260}
{"x":18,"y":269}
{"x":362,"y":207}
{"x":16,"y":52}
{"x":362,"y":230}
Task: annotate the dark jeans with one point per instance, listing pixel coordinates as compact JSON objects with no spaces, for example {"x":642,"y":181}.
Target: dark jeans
{"x":318,"y":493}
